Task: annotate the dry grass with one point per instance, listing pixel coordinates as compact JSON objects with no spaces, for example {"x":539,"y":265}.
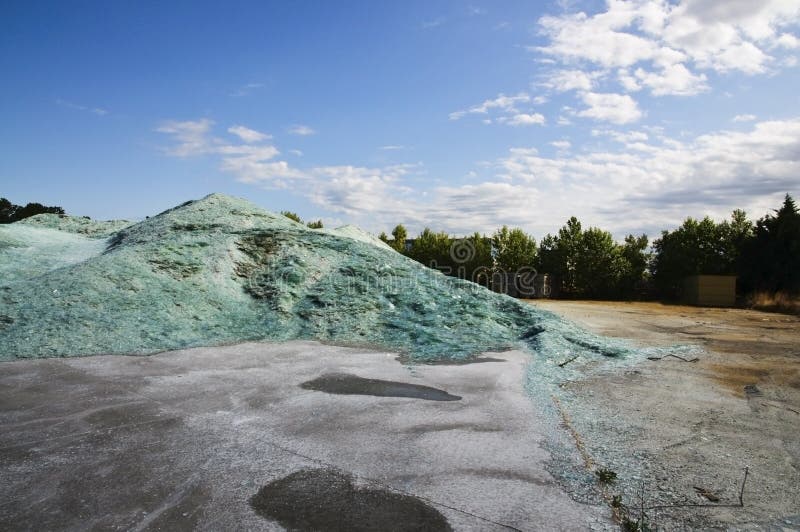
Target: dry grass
{"x":774,"y":302}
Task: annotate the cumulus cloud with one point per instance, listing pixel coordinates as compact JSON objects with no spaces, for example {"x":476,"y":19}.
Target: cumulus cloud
{"x":523,"y":119}
{"x":300,"y":129}
{"x":506,"y":110}
{"x":643,"y":181}
{"x":246,"y":89}
{"x":250,"y":162}
{"x":646,"y":184}
{"x":99,"y":111}
{"x":676,"y":80}
{"x":191,"y":136}
{"x":567,"y":80}
{"x":610,"y":107}
{"x":501,"y":102}
{"x":357,"y":191}
{"x":247,"y":134}
{"x":343,"y":189}
{"x":665,"y":46}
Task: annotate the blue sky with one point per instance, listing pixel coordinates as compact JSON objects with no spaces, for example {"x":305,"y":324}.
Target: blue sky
{"x":455,"y":115}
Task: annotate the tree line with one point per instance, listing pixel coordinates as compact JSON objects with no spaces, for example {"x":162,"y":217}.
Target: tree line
{"x":10,"y":213}
{"x":588,"y":263}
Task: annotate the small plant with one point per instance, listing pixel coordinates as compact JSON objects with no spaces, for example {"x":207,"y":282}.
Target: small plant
{"x":606,"y":476}
{"x":616,"y":501}
{"x":629,"y":525}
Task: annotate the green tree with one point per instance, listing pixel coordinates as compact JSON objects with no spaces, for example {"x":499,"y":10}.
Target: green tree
{"x":474,"y":262}
{"x":771,"y":257}
{"x":549,"y":258}
{"x":13,"y":213}
{"x":433,"y":250}
{"x":383,"y":237}
{"x":558,"y":256}
{"x":315,"y":225}
{"x":734,"y":235}
{"x":696,"y":247}
{"x":400,"y":236}
{"x":597,"y":264}
{"x":634,"y":261}
{"x":514,"y":249}
{"x":292,"y":216}
{"x":7,"y":210}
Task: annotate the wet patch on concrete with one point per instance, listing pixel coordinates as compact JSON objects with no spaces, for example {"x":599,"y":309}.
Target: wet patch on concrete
{"x":346,"y":384}
{"x":324,"y":499}
{"x":404,"y":359}
{"x":444,"y":427}
{"x":505,"y":474}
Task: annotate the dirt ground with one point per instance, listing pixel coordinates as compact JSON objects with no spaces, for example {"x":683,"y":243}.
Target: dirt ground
{"x":681,"y":433}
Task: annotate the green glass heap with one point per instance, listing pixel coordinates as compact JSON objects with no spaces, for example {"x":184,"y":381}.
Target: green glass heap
{"x":221,"y":270}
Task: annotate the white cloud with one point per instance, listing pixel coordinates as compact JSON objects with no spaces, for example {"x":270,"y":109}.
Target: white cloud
{"x":358,"y":191}
{"x":501,"y":102}
{"x":99,"y":111}
{"x":577,"y":37}
{"x":506,"y":108}
{"x":344,"y":189}
{"x":249,"y":162}
{"x":646,"y":183}
{"x":673,"y":79}
{"x":392,"y":147}
{"x":298,"y":153}
{"x":628,"y":81}
{"x":568,"y":80}
{"x":656,"y":185}
{"x":628,"y":138}
{"x":248,"y":135}
{"x":523,"y":119}
{"x":246,"y":89}
{"x":743,"y":118}
{"x":787,"y":40}
{"x":667,"y":44}
{"x":300,"y":129}
{"x":433,"y":23}
{"x":191,"y":136}
{"x":610,"y":107}
{"x":646,"y":189}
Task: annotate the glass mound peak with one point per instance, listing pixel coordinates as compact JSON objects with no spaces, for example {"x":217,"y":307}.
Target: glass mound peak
{"x":221,"y":270}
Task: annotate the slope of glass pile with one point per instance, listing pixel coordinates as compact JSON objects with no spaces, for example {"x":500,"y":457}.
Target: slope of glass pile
{"x":221,"y":270}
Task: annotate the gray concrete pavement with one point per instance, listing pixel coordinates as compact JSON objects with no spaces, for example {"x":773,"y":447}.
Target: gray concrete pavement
{"x":184,"y":440}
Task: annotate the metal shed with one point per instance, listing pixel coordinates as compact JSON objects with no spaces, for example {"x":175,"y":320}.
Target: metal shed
{"x":710,"y":290}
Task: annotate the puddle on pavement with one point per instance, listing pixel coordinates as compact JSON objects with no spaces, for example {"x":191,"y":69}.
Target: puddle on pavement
{"x":346,"y":384}
{"x":448,"y":361}
{"x":323,"y":499}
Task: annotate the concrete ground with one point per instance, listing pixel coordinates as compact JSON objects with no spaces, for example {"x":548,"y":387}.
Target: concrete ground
{"x":187,"y":439}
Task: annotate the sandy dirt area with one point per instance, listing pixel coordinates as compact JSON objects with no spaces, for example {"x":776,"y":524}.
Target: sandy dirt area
{"x":681,"y":433}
